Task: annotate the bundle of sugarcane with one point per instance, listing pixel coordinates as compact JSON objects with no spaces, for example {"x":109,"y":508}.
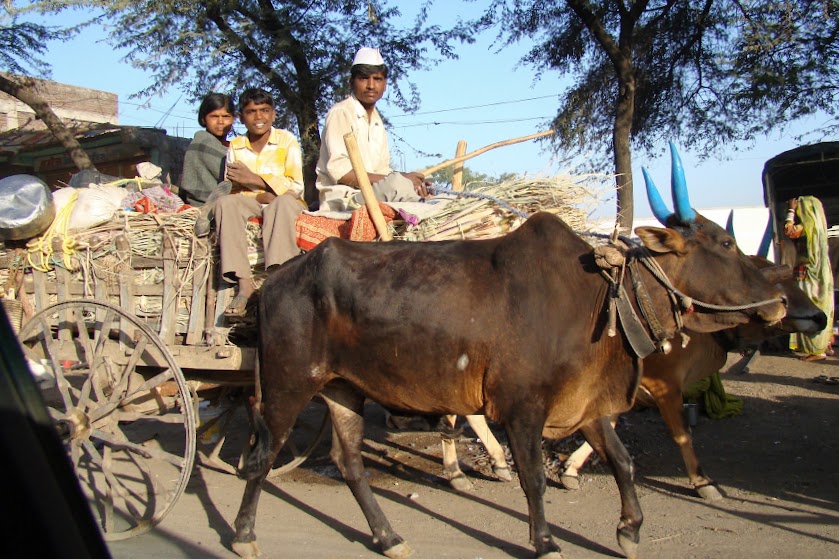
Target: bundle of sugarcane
{"x":485,"y":210}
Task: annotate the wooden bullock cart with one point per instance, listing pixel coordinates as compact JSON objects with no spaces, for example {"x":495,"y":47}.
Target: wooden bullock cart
{"x":138,"y":366}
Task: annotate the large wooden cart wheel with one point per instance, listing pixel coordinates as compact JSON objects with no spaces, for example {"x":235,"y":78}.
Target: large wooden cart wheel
{"x":229,"y":446}
{"x":121,"y":406}
{"x":307,"y":433}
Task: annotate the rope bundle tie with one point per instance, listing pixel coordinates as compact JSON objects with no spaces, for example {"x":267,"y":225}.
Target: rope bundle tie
{"x":42,"y":246}
{"x":608,"y":257}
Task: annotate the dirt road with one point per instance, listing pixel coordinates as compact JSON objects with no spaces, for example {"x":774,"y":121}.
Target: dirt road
{"x":777,"y":464}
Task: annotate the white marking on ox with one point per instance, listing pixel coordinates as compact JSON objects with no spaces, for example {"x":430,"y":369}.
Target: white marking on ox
{"x":462,"y":362}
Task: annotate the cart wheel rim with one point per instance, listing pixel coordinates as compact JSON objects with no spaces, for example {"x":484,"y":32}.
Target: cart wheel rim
{"x":122,"y":407}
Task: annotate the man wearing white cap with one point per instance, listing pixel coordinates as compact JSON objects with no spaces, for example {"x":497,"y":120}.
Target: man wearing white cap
{"x":337,"y":183}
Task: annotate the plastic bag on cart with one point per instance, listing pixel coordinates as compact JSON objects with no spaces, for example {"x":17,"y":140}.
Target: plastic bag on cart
{"x":93,"y":206}
{"x":26,"y":207}
{"x":86,"y":177}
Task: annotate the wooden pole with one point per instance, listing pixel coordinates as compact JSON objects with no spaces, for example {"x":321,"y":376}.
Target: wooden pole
{"x":366,"y":188}
{"x":457,"y":175}
{"x":462,"y":158}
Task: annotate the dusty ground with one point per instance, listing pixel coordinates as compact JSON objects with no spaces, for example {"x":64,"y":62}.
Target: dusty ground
{"x":777,"y":464}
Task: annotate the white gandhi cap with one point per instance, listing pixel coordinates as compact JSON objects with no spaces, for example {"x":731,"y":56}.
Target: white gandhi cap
{"x":367,"y":55}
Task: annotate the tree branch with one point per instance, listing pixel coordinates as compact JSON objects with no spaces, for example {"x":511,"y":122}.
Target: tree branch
{"x":25,"y":90}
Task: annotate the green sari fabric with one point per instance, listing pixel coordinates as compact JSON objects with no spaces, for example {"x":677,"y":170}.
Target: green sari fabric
{"x":818,"y":282}
{"x":716,"y":403}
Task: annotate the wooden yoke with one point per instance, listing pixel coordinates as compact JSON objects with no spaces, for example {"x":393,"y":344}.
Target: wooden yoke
{"x":366,"y":188}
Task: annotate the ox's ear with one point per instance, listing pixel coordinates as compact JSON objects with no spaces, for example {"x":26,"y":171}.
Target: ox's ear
{"x":659,"y":239}
{"x":777,"y":274}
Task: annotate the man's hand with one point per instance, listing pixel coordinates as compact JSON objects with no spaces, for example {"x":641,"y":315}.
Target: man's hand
{"x":265,"y":197}
{"x":420,"y":184}
{"x":239,"y":173}
{"x":789,"y":223}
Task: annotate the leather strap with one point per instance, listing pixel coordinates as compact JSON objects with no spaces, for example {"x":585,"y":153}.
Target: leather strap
{"x":635,"y":332}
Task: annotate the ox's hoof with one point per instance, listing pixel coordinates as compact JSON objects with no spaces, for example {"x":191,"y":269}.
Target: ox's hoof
{"x":247,"y":550}
{"x":628,"y":545}
{"x":572,"y":483}
{"x":709,"y":493}
{"x":552,"y":555}
{"x":502,"y":473}
{"x":461,"y":483}
{"x":399,"y":551}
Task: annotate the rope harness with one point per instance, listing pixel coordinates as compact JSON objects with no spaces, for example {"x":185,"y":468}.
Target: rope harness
{"x":623,"y":254}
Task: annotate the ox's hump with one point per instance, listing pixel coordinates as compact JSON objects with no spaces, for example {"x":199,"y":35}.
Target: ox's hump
{"x":545,"y":234}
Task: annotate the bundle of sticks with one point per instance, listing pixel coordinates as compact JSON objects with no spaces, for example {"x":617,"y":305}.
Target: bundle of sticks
{"x":489,"y":210}
{"x":485,"y":210}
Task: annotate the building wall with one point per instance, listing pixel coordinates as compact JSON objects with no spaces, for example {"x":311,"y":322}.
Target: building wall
{"x":71,"y":103}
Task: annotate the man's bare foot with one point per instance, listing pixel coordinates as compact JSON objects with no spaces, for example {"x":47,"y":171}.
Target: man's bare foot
{"x":238,"y":306}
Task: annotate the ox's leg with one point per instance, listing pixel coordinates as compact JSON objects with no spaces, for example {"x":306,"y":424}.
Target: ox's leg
{"x":525,"y":435}
{"x":570,"y":476}
{"x":605,"y":441}
{"x":346,"y":406}
{"x":244,"y":543}
{"x":670,"y":404}
{"x":496,"y":453}
{"x":271,"y":432}
{"x":451,"y":466}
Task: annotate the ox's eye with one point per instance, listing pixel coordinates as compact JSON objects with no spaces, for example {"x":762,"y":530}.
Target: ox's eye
{"x":728,"y":244}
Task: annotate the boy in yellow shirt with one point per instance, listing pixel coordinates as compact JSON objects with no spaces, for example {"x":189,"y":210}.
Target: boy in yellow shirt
{"x":265,"y":167}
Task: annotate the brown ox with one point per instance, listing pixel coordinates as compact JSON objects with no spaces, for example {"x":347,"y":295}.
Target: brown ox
{"x":510,"y":328}
{"x":666,"y":376}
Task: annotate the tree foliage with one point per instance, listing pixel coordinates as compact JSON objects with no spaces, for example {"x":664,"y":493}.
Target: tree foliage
{"x":706,"y":74}
{"x":787,"y":63}
{"x":23,"y":43}
{"x":300,"y":50}
{"x":443,"y":177}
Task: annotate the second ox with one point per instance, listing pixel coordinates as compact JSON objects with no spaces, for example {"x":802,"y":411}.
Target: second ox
{"x":665,"y":378}
{"x":512,"y":328}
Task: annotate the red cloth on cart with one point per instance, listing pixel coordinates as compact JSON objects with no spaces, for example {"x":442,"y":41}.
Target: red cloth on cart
{"x":313,"y":229}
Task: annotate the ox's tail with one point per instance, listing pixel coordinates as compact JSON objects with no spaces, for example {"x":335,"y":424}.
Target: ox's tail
{"x":258,"y":457}
{"x":257,"y":460}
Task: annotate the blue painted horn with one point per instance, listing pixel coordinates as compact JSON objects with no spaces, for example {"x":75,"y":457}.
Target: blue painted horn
{"x":766,"y":241}
{"x":660,"y":210}
{"x":681,"y":203}
{"x":729,"y":224}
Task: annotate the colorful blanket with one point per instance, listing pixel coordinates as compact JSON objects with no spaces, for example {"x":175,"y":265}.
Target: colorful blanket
{"x":313,"y":229}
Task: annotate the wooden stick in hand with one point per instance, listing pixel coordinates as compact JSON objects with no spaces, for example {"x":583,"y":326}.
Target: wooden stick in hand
{"x":366,"y":188}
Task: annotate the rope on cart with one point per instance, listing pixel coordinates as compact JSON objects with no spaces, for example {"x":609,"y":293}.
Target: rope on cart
{"x":42,"y":246}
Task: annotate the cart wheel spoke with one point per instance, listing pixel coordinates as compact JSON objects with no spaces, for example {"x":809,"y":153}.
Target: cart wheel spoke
{"x":123,"y":410}
{"x":44,"y":347}
{"x":137,"y":449}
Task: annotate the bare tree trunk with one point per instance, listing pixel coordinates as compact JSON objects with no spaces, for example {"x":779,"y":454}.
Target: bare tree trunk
{"x":26,"y":92}
{"x":625,"y":108}
{"x":620,"y":53}
{"x":307,"y":127}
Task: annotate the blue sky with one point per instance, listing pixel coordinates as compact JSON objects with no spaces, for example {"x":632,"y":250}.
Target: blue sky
{"x":484,"y":97}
